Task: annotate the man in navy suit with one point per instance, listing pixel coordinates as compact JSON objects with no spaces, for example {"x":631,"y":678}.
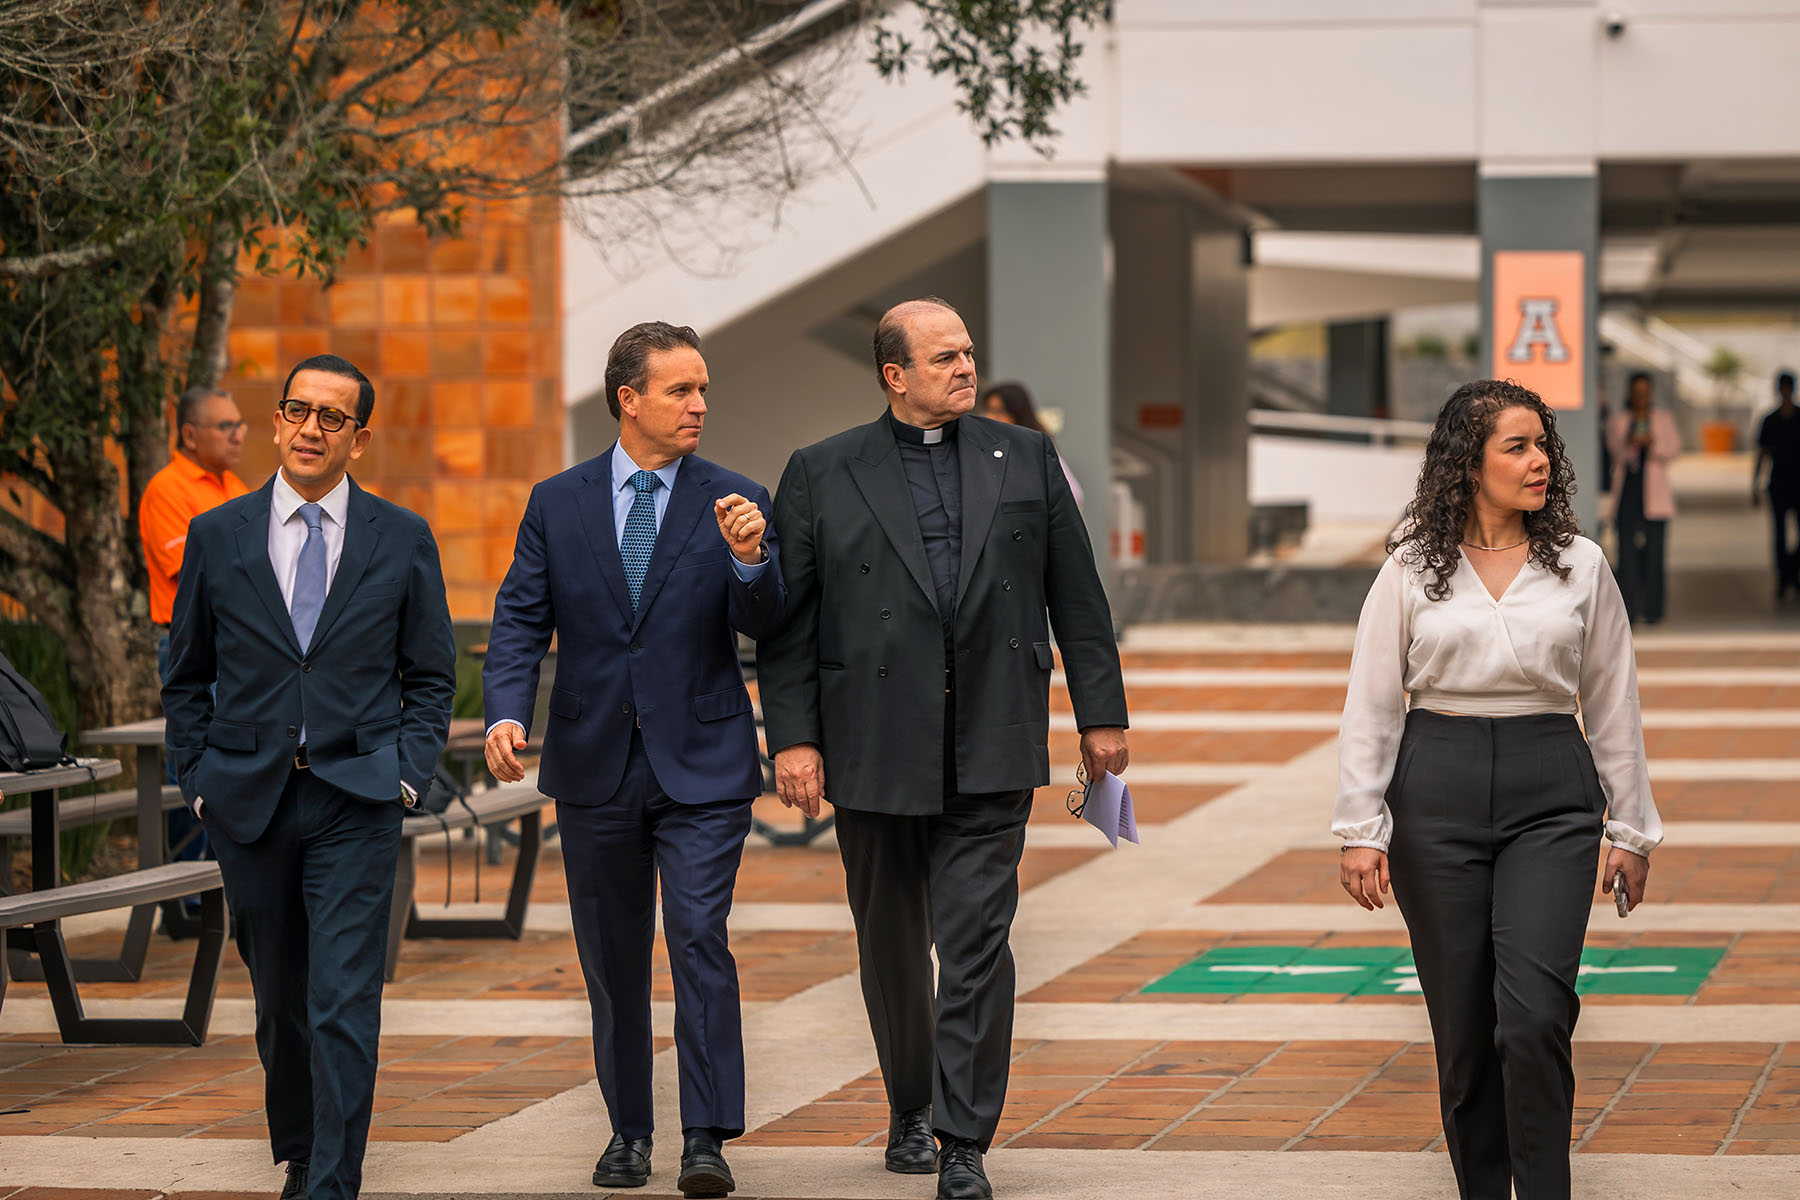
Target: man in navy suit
{"x":318,"y":612}
{"x":650,"y":751}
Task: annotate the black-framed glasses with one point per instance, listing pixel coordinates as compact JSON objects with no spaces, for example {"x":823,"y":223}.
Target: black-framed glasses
{"x":1078,"y":798}
{"x":295,"y":412}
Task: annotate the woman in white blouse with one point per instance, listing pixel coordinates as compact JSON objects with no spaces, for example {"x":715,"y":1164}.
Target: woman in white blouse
{"x":1464,"y":775}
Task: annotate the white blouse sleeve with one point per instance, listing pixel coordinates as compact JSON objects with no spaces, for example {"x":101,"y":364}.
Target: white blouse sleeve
{"x":1613,"y":719}
{"x":1374,"y":713}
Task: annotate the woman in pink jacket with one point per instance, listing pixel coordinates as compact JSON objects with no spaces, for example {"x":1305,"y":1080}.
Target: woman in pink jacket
{"x":1643,"y":440}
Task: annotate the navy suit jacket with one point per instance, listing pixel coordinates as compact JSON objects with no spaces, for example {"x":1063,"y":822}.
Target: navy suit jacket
{"x":671,"y":668}
{"x":374,"y":689}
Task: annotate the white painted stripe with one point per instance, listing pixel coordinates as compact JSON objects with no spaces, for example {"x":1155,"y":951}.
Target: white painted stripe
{"x":1349,"y":917}
{"x":1241,"y":1020}
{"x":1190,"y":637}
{"x":1724,"y":770}
{"x":1338,"y":677}
{"x":1322,"y":721}
{"x":473,"y":1166}
{"x":1183,"y":772}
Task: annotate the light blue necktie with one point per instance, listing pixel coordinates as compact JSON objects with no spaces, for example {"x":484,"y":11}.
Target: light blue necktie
{"x":640,"y":533}
{"x":309,"y":577}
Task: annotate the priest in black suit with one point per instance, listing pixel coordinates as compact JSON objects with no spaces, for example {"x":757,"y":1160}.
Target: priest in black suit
{"x":928,"y":555}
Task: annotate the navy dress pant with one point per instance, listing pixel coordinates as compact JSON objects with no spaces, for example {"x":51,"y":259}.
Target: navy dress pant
{"x":310,"y":900}
{"x":1497,"y":824}
{"x":614,"y":853}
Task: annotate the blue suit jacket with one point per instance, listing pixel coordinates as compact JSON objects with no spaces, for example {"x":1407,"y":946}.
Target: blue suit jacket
{"x":374,"y":688}
{"x":672,"y":668}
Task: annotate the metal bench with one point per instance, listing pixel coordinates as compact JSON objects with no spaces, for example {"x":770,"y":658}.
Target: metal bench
{"x":495,"y":806}
{"x":38,"y":917}
{"x":75,"y":811}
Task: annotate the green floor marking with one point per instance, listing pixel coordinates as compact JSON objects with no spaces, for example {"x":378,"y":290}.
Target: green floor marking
{"x":1388,"y":970}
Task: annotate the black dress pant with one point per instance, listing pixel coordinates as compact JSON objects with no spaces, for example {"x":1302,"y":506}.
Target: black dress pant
{"x":310,"y":900}
{"x":1643,"y":564}
{"x":1497,"y":824}
{"x":1784,"y":515}
{"x":949,"y":881}
{"x":613,"y":854}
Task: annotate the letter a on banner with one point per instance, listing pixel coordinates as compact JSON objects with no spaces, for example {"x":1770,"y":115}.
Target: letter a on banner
{"x":1539,"y":315}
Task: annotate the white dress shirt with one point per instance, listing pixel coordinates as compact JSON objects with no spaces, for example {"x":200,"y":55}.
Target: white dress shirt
{"x":1546,"y":646}
{"x":287,"y":532}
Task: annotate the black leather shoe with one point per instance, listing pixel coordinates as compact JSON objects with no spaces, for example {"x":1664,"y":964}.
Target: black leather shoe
{"x":911,"y":1147}
{"x":295,"y":1187}
{"x":624,"y":1164}
{"x":960,"y":1176}
{"x":703,"y":1169}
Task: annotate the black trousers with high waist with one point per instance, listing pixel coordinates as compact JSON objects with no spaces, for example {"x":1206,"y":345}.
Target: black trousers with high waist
{"x":310,"y":900}
{"x":1497,"y":824}
{"x":949,"y":881}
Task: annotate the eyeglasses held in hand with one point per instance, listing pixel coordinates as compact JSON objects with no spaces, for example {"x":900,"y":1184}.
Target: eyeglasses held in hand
{"x":1078,"y":798}
{"x":295,"y":412}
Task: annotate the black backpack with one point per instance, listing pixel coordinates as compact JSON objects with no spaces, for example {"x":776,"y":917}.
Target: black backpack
{"x":29,"y":738}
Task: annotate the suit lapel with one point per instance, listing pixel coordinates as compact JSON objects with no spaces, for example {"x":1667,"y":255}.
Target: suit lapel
{"x":878,"y":474}
{"x":360,"y":537}
{"x":596,"y":511}
{"x":253,"y":556}
{"x":982,"y":459}
{"x":690,"y":496}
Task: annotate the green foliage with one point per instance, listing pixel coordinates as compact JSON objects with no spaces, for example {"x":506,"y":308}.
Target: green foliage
{"x":1471,"y":345}
{"x":36,"y":654}
{"x":1427,"y":345}
{"x":1725,"y":365}
{"x":1013,"y":60}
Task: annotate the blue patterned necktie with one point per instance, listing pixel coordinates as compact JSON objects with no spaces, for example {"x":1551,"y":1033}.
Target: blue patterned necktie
{"x":309,"y":577}
{"x":640,"y":533}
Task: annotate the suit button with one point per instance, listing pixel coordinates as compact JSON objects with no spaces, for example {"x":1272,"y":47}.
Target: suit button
{"x":1006,"y":585}
{"x":635,"y":648}
{"x":626,"y":709}
{"x":1013,"y":643}
{"x":292,"y":732}
{"x":306,"y":668}
{"x":1018,"y":535}
{"x":881,"y":671}
{"x":865,"y":568}
{"x":885,"y":614}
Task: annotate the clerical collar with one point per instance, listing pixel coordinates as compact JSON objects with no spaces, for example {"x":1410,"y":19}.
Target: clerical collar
{"x":921,"y":437}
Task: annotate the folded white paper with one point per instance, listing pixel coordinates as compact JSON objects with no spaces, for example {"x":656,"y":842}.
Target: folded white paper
{"x":1106,"y":805}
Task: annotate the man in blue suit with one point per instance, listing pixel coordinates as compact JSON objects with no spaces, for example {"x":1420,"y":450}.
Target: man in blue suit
{"x":318,"y":612}
{"x":650,"y":751}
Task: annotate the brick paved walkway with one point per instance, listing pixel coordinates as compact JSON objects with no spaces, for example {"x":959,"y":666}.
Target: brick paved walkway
{"x":486,"y":1081}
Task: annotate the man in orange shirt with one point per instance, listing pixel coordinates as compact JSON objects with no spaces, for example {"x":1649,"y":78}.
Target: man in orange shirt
{"x":209,"y":433}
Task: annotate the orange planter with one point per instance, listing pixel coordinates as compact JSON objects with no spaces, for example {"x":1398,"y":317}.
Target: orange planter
{"x":1718,"y":437}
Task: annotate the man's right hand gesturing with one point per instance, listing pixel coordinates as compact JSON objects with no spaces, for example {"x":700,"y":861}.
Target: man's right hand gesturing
{"x":504,"y":741}
{"x":800,"y":777}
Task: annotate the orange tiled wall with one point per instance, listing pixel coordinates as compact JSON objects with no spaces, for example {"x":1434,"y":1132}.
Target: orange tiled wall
{"x":461,"y":338}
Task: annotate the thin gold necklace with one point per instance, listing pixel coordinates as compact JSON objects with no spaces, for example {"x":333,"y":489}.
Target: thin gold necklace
{"x":1514,"y":546}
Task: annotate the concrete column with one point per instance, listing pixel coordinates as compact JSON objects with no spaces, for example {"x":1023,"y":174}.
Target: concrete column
{"x":1540,"y":238}
{"x":1050,"y":321}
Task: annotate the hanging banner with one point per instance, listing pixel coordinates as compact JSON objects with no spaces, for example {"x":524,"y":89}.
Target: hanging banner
{"x":1540,"y":322}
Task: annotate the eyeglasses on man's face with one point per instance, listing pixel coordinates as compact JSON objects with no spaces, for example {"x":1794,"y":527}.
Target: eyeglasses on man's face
{"x":228,"y":428}
{"x":331,"y":420}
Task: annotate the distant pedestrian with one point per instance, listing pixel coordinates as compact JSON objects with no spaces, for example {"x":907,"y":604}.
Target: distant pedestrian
{"x":1461,"y":764}
{"x":1778,"y":444}
{"x":1644,"y":441}
{"x":1011,"y":403}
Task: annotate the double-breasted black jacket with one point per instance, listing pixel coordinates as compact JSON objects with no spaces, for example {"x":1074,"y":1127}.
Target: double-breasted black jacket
{"x":858,"y":667}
